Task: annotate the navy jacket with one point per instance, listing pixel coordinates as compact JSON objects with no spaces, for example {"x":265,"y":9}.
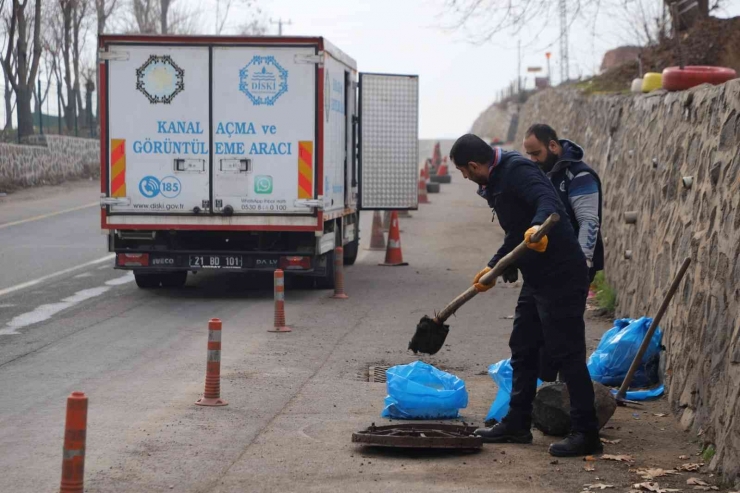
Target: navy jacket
{"x":522,"y":196}
{"x":564,"y":176}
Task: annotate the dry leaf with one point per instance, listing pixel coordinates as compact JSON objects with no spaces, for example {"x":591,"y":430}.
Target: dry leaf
{"x":683,"y":457}
{"x":618,"y":458}
{"x":696,"y":481}
{"x":613,"y":442}
{"x":689,"y":467}
{"x":589,"y":468}
{"x":706,"y":488}
{"x":650,"y":486}
{"x":654,"y":473}
{"x":660,"y":415}
{"x":590,"y":458}
{"x":598,"y":486}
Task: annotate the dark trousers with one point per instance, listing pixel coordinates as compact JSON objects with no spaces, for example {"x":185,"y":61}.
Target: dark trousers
{"x":551,"y":318}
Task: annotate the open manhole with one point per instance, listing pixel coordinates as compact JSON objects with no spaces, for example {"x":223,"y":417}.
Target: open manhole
{"x":376,"y":374}
{"x":419,"y":435}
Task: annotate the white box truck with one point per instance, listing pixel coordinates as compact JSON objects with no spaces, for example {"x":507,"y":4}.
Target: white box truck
{"x":246,"y":153}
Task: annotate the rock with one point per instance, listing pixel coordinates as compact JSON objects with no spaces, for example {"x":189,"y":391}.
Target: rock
{"x":551,"y":412}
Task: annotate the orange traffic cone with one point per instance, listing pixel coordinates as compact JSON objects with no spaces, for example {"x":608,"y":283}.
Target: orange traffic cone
{"x":423,"y":199}
{"x":442,"y":170}
{"x":393,"y":255}
{"x":387,"y":222}
{"x":377,"y":240}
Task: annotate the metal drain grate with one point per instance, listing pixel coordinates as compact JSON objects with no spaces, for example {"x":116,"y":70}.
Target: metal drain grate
{"x":376,"y":374}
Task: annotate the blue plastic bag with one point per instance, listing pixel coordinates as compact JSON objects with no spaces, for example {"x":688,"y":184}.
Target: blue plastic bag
{"x":642,"y":395}
{"x":502,"y":373}
{"x":611,"y":360}
{"x":421,"y":391}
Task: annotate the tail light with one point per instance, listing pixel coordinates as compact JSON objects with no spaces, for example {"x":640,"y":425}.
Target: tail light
{"x":133,"y":259}
{"x":295,"y":263}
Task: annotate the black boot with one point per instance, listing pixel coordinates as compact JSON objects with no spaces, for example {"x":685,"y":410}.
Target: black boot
{"x":504,"y":433}
{"x":577,"y":443}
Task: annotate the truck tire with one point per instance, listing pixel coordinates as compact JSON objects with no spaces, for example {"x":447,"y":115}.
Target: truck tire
{"x":147,"y":280}
{"x":350,"y":252}
{"x":351,"y":249}
{"x":174,"y":279}
{"x":327,"y":280}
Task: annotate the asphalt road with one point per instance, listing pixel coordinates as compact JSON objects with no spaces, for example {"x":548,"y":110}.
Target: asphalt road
{"x":294,"y":399}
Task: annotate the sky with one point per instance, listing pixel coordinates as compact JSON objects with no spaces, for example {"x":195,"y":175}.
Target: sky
{"x":458,"y":79}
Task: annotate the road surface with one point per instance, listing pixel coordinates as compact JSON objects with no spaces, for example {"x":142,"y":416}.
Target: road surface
{"x":69,"y":322}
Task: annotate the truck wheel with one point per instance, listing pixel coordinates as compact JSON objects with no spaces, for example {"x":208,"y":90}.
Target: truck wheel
{"x":146,"y":280}
{"x":350,"y":252}
{"x":174,"y":279}
{"x":327,"y":280}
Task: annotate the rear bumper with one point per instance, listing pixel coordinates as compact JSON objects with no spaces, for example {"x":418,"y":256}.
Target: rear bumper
{"x":152,"y":261}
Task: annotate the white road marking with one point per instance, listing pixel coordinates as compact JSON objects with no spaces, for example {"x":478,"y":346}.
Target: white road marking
{"x":45,"y":312}
{"x":82,"y":276}
{"x":118,"y":281}
{"x":51,"y":214}
{"x":28,"y":284}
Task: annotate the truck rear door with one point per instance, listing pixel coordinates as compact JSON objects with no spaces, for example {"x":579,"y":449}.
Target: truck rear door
{"x":388,"y":142}
{"x":264,"y":129}
{"x":158,"y":128}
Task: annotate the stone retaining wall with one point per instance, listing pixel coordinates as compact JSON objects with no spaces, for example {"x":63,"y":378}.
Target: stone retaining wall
{"x":642,"y":146}
{"x":47,"y":159}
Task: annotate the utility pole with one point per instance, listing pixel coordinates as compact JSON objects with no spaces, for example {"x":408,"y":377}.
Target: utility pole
{"x":564,"y":61}
{"x":519,"y":66}
{"x":280,"y":23}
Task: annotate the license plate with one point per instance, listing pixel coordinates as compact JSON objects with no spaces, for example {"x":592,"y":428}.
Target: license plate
{"x":266,"y":263}
{"x":216,"y":261}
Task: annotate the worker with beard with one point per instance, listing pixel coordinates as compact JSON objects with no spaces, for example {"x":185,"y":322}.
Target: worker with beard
{"x":577,"y":184}
{"x":549,"y":312}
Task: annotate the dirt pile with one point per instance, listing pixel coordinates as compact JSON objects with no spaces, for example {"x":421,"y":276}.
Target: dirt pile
{"x":710,"y":42}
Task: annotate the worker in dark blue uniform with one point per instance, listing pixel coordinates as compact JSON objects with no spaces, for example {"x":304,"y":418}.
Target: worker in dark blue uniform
{"x":577,"y":184}
{"x":552,"y":301}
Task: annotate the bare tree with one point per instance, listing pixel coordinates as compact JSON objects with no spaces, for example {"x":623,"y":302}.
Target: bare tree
{"x":145,"y":15}
{"x":7,"y":90}
{"x":22,"y":76}
{"x":80,"y":13}
{"x":253,"y":25}
{"x":159,"y":17}
{"x":485,"y":19}
{"x":104,"y":9}
{"x":164,"y":8}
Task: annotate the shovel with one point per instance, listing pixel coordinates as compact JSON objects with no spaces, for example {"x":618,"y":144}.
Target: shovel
{"x":431,"y":332}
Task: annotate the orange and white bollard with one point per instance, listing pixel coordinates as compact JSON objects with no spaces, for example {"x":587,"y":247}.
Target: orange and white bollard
{"x":75,"y":434}
{"x":212,"y":393}
{"x":279,"y":325}
{"x":339,"y":274}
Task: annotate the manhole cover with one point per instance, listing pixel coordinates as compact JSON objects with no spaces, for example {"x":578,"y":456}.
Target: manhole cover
{"x":376,"y":374}
{"x":419,"y":435}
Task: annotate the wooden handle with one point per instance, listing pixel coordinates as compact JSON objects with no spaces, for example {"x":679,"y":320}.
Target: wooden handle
{"x":637,"y":361}
{"x":498,"y":270}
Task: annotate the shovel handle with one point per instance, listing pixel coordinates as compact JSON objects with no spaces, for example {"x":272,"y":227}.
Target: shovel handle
{"x":498,"y":269}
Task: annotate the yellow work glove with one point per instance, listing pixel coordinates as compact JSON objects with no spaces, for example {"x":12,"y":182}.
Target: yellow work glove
{"x":482,"y":288}
{"x":541,"y":245}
